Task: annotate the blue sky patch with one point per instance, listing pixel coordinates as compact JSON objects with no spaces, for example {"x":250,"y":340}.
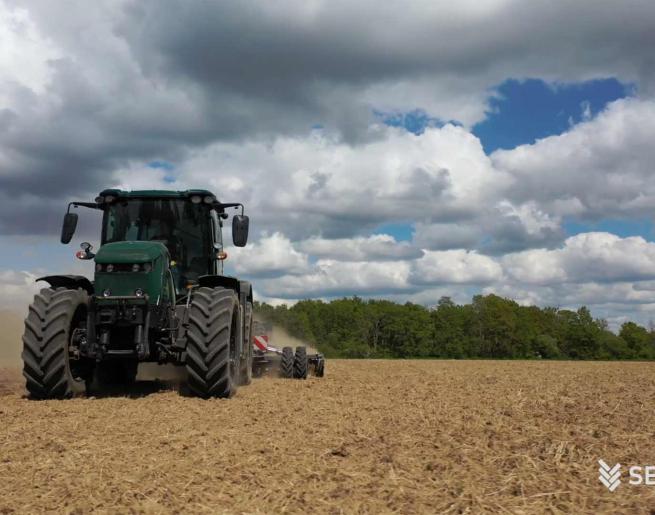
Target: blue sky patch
{"x":414,"y":121}
{"x":165,"y":166}
{"x":161,"y":165}
{"x":623,"y":228}
{"x":525,"y":111}
{"x":400,"y":231}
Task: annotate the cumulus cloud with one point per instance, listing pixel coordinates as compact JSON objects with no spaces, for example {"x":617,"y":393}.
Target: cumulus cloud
{"x":101,"y":86}
{"x":455,"y":267}
{"x":330,"y":278}
{"x":599,"y":168}
{"x":318,"y":185}
{"x":271,"y":256}
{"x":595,"y":256}
{"x":613,"y":274}
{"x":378,"y":247}
{"x":279,"y":106}
{"x":24,"y":54}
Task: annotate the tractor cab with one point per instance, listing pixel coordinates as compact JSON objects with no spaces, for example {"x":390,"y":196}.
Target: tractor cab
{"x":188,"y":223}
{"x":190,"y":231}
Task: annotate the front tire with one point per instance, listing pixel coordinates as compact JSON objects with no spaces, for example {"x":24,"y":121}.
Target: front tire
{"x":212,"y":359}
{"x":51,"y":366}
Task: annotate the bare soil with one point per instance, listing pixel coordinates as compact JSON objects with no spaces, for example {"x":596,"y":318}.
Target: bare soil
{"x":370,"y":437}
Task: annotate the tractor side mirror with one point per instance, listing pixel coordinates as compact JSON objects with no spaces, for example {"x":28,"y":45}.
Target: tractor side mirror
{"x":240,"y":225}
{"x":68,"y":228}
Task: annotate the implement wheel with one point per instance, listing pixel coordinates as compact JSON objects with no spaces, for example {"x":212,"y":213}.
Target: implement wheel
{"x":212,"y":358}
{"x":286,"y":364}
{"x":319,"y":370}
{"x":300,"y":363}
{"x":52,"y":366}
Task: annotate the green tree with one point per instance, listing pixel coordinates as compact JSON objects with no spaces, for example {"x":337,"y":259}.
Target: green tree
{"x":489,"y":327}
{"x":638,"y":340}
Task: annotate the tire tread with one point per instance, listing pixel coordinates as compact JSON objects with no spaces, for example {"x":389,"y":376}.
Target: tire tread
{"x":45,"y":343}
{"x":208,"y":343}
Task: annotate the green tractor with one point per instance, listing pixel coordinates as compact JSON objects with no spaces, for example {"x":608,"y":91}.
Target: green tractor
{"x":158,"y":295}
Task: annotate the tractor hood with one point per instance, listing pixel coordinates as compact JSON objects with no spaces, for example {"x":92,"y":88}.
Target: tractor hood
{"x":131,"y":252}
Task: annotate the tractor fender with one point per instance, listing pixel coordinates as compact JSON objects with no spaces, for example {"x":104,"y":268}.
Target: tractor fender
{"x":245,"y":290}
{"x":242,"y":288}
{"x":70,"y":282}
{"x":215,"y":281}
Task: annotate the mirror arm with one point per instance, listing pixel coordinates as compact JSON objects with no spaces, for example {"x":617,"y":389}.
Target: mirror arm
{"x":91,"y":205}
{"x":221,"y":206}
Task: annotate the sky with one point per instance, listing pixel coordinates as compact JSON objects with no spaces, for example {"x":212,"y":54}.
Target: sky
{"x":405,"y":150}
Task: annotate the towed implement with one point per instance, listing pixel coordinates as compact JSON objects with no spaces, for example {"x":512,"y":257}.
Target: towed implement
{"x":290,"y":364}
{"x":158,"y":295}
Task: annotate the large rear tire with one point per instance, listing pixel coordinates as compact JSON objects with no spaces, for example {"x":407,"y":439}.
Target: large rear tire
{"x":286,"y":363}
{"x":246,"y":366}
{"x":51,"y":366}
{"x":212,"y":359}
{"x":300,"y":363}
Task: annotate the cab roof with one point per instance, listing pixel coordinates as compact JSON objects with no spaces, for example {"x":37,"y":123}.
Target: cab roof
{"x":155,"y":193}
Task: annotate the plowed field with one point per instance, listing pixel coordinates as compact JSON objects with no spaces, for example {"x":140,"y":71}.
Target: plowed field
{"x":372,"y":436}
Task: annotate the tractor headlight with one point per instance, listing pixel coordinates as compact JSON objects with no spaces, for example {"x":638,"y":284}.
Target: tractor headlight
{"x":106,"y":293}
{"x":139,"y":292}
{"x":110,"y":268}
{"x":147,"y":267}
{"x":209,"y":199}
{"x":136,"y":267}
{"x":196,"y":199}
{"x":99,"y":267}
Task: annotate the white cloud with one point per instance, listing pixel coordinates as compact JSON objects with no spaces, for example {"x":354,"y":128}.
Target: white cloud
{"x":600,"y":168}
{"x":441,"y":236}
{"x":586,"y":257}
{"x":91,"y":94}
{"x":25,"y":53}
{"x":613,"y":275}
{"x":271,"y":256}
{"x":378,"y":247}
{"x":320,"y":186}
{"x":455,"y":267}
{"x":329,"y":278}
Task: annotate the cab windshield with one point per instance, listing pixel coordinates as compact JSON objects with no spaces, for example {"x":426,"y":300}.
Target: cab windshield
{"x":184,"y":227}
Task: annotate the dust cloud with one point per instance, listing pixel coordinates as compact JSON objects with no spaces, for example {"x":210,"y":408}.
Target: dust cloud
{"x":11,"y":344}
{"x":280,"y":338}
{"x":167,"y":373}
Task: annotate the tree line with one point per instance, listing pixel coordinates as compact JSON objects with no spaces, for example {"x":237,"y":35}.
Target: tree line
{"x":488,"y":327}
